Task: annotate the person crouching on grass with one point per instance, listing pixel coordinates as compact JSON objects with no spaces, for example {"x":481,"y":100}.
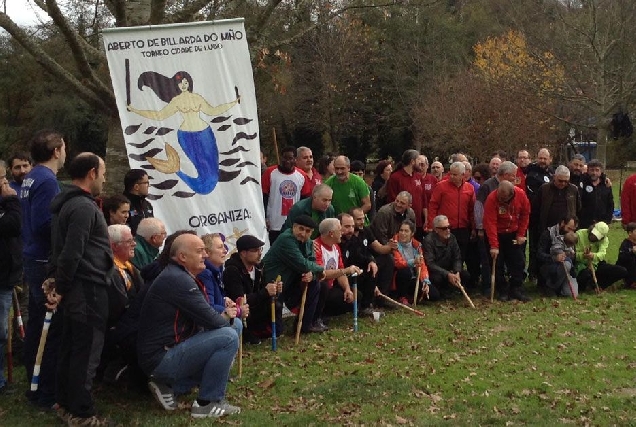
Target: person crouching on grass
{"x":182,"y":341}
{"x":408,"y":262}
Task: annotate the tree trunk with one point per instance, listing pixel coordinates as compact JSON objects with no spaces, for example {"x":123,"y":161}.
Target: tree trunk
{"x":116,"y":158}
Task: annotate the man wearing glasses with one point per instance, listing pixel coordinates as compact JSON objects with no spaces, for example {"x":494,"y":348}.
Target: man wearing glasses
{"x":523,"y":161}
{"x":243,"y":276}
{"x":136,"y":185}
{"x":443,"y":257}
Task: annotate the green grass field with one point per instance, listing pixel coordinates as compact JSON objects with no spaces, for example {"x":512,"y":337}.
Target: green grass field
{"x":547,"y":362}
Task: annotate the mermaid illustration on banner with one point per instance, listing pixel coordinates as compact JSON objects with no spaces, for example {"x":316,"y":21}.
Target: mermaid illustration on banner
{"x":195,"y":135}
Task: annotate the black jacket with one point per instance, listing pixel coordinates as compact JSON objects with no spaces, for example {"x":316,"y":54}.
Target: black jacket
{"x":357,"y":249}
{"x":174,"y":309}
{"x":597,"y":202}
{"x":238,"y":282}
{"x":442,"y":258}
{"x":535,"y":178}
{"x":10,"y":242}
{"x":81,"y":247}
{"x":140,"y":208}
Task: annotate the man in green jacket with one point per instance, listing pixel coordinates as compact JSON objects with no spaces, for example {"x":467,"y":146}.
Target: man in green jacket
{"x":151,"y":233}
{"x":318,"y":207}
{"x":292,"y":257}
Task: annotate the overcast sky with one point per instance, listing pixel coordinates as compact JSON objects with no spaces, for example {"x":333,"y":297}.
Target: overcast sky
{"x":22,"y":11}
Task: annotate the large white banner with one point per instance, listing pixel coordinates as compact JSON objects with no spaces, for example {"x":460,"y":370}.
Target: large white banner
{"x":186,"y":99}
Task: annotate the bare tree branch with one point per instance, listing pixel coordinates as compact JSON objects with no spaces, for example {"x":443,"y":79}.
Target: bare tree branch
{"x":187,"y":13}
{"x":49,"y":64}
{"x":118,"y":9}
{"x":76,"y":44}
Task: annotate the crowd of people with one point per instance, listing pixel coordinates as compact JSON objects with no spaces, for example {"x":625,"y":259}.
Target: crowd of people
{"x":168,"y":311}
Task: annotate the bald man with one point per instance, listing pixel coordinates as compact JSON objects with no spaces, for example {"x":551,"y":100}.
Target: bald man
{"x":506,"y":216}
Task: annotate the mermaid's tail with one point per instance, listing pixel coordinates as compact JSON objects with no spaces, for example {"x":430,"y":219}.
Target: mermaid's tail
{"x":172,"y":163}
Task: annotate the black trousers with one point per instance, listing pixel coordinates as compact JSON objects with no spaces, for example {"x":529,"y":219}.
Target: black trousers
{"x":260,"y":317}
{"x":335,"y":303}
{"x":510,"y":260}
{"x":80,"y":352}
{"x":629,"y":263}
{"x":292,"y":295}
{"x":606,"y":274}
{"x":83,"y":333}
{"x":405,"y":284}
{"x":470,"y":254}
{"x":385,"y":272}
{"x":440,"y":281}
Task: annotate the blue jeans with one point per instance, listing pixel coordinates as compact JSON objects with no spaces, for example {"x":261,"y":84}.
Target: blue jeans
{"x":204,"y":359}
{"x":5,"y":306}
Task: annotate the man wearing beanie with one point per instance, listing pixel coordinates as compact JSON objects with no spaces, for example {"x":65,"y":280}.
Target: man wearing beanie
{"x":591,"y":249}
{"x":292,"y":257}
{"x":243,"y":276}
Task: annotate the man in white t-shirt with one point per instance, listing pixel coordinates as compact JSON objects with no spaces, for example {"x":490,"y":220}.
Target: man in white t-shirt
{"x":283,"y":185}
{"x":333,"y":300}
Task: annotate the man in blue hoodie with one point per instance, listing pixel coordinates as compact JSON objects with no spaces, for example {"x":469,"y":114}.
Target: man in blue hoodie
{"x":39,"y":187}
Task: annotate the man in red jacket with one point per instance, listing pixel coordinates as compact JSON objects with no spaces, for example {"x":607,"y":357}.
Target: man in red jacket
{"x":506,"y":216}
{"x":455,"y":199}
{"x":628,"y":201}
{"x":409,"y":178}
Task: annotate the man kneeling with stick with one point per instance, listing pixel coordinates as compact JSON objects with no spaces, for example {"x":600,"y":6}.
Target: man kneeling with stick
{"x":182,"y":341}
{"x":292,"y":257}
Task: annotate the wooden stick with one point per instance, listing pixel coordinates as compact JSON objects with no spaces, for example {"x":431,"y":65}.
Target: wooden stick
{"x":417,"y":286}
{"x":275,"y":146}
{"x":18,"y":312}
{"x":461,"y":288}
{"x":593,"y":270}
{"x":406,"y":307}
{"x":354,"y":285}
{"x":240,"y":350}
{"x":240,"y":356}
{"x":301,"y":313}
{"x":492,"y":278}
{"x":35,"y":380}
{"x":567,"y":274}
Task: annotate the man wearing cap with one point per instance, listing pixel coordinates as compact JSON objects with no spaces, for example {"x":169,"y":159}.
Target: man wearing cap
{"x":292,"y":257}
{"x":243,"y":276}
{"x":592,"y":248}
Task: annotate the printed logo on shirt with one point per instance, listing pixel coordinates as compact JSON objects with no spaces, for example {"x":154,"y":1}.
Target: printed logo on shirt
{"x":418,"y":183}
{"x":502,"y":210}
{"x":288,"y":189}
{"x":517,"y":180}
{"x":546,"y":179}
{"x":352,"y":195}
{"x":331,"y":264}
{"x":428,"y":187}
{"x":589,"y":188}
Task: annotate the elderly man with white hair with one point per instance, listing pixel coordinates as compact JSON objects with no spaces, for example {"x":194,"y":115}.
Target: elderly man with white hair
{"x":555,"y":200}
{"x":119,"y":348}
{"x":151,"y":233}
{"x":333,"y":300}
